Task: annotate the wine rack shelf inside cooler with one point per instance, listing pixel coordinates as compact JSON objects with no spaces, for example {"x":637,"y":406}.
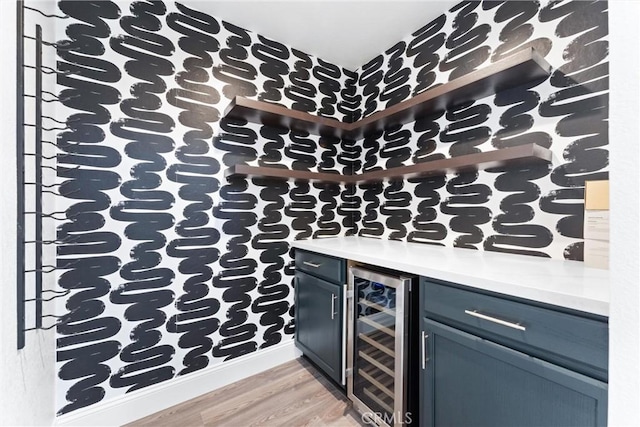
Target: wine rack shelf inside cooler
{"x":380,"y":400}
{"x":382,"y":381}
{"x":378,"y":326}
{"x":378,"y":307}
{"x":379,"y":359}
{"x":386,"y":345}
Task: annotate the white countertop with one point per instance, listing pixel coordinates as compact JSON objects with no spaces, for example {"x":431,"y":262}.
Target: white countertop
{"x":562,"y":283}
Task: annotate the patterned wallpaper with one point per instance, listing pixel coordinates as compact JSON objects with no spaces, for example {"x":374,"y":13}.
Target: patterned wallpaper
{"x":172,"y":268}
{"x":532,"y":210}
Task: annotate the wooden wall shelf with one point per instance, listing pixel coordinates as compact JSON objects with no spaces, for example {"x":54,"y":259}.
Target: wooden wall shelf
{"x":245,"y":171}
{"x":524,"y":66}
{"x":269,"y":114}
{"x":527,"y":154}
{"x":517,"y":69}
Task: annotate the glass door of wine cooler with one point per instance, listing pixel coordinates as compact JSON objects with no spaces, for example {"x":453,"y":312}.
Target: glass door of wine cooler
{"x":377,"y":357}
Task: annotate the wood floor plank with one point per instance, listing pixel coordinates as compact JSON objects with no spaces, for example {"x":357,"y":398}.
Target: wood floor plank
{"x":254,"y":394}
{"x":233,"y":395}
{"x":336,"y":413}
{"x":299,"y":392}
{"x":291,"y":394}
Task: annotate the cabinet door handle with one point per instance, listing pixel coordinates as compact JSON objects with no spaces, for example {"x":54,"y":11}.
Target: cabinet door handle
{"x":424,"y":337}
{"x":310,"y":264}
{"x":474,"y":313}
{"x":333,"y":305}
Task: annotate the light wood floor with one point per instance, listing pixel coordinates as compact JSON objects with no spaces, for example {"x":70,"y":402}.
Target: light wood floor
{"x":292,"y":394}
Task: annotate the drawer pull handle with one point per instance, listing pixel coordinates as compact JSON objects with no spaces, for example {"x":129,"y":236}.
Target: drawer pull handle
{"x":474,"y":313}
{"x":333,"y":306}
{"x":310,"y":264}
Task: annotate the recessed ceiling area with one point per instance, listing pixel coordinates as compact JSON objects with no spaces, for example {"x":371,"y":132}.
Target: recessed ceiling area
{"x":346,"y":33}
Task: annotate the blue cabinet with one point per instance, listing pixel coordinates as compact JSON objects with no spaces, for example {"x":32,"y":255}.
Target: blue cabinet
{"x":497,"y":362}
{"x":319,"y":311}
{"x":470,"y":381}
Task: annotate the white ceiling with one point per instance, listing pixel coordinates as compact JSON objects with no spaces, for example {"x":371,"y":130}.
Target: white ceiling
{"x":346,"y":33}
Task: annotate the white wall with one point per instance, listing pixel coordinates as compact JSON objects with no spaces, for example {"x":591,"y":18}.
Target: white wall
{"x":26,"y":376}
{"x":624,"y":321}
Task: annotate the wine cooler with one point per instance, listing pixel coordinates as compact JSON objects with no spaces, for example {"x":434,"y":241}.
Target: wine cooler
{"x":378,"y":351}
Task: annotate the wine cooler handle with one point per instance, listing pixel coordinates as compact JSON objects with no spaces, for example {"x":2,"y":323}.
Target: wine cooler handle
{"x":333,"y":305}
{"x":424,"y":339}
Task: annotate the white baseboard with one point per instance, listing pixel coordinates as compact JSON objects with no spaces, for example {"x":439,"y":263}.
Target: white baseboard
{"x":149,"y":400}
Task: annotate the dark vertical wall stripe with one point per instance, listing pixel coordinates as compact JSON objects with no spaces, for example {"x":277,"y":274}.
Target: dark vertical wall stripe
{"x":349,"y":209}
{"x":272,"y":55}
{"x":423,"y":48}
{"x":146,"y":290}
{"x":327,"y":224}
{"x":350,"y":100}
{"x":371,"y":203}
{"x":371,"y":76}
{"x":235,"y":70}
{"x":236,"y":276}
{"x":396,"y":78}
{"x":196,"y":170}
{"x":301,"y":210}
{"x":328,"y":75}
{"x":466,"y":43}
{"x":302,"y":150}
{"x":86,"y":333}
{"x":426,"y":228}
{"x":302,"y":92}
{"x":514,"y":232}
{"x":518,"y":30}
{"x":271,"y":241}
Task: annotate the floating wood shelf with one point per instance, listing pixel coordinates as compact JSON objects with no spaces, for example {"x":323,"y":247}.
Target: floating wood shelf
{"x":517,"y":69}
{"x":527,"y":154}
{"x":524,"y":66}
{"x":270,"y":114}
{"x":244,"y":171}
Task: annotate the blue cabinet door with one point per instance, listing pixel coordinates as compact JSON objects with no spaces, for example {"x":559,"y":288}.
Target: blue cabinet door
{"x":318,"y":317}
{"x":469,"y":381}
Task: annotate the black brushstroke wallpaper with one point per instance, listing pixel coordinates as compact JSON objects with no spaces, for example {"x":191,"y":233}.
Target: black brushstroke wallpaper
{"x":173,"y":268}
{"x":528,"y":210}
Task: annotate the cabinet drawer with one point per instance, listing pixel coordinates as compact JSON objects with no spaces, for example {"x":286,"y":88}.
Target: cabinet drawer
{"x":327,"y":267}
{"x":569,"y":340}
